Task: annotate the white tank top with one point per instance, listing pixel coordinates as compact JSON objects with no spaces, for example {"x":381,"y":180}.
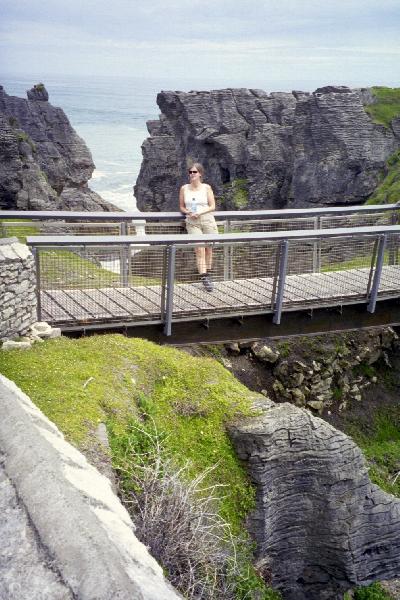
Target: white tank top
{"x":197,"y":198}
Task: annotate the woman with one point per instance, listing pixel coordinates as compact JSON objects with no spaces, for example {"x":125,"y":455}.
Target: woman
{"x":197,"y":202}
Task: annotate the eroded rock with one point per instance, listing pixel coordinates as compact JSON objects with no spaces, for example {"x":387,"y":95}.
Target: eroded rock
{"x":266,"y":150}
{"x":321,"y":526}
{"x":44,"y":164}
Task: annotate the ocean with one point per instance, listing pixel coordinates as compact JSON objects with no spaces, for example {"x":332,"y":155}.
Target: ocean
{"x":110,"y":114}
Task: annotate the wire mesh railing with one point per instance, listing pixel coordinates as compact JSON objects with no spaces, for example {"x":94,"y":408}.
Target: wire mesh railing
{"x":154,"y":278}
{"x":22,"y":224}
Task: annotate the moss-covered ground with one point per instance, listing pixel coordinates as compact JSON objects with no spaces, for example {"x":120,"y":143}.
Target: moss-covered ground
{"x":385,"y":108}
{"x":388,"y":190}
{"x":131,"y":384}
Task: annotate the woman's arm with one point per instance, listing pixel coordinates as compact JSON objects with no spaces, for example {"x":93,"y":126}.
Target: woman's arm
{"x":182,"y":206}
{"x":210,"y":200}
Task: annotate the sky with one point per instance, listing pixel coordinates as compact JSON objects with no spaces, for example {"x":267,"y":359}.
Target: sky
{"x":351,"y":42}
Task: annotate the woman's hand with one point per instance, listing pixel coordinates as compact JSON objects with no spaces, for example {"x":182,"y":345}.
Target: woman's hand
{"x":193,"y":215}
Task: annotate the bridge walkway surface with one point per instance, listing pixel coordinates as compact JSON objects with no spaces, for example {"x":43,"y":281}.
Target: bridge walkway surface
{"x":113,"y":270}
{"x":251,"y":295}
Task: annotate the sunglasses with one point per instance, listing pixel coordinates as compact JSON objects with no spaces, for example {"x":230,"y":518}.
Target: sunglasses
{"x":192,"y":172}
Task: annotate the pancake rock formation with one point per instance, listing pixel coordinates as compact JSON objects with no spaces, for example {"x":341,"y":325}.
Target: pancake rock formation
{"x":321,"y":526}
{"x":44,"y":164}
{"x":265,"y":150}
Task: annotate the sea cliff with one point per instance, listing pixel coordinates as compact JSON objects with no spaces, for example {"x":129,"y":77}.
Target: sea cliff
{"x":265,"y":150}
{"x":44,"y":164}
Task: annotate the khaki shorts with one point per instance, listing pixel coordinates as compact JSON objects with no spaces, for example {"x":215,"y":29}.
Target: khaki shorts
{"x":203,"y":224}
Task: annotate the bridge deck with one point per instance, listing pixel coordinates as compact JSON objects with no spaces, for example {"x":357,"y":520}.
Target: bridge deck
{"x":191,"y":300}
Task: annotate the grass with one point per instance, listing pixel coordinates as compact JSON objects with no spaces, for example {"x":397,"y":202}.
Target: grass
{"x":388,"y":191}
{"x":24,"y":137}
{"x":189,"y":400}
{"x":386,"y":106}
{"x":357,"y":262}
{"x":238,"y":192}
{"x":380,"y":443}
{"x":63,"y":267}
{"x":372,"y":592}
{"x":20,"y":231}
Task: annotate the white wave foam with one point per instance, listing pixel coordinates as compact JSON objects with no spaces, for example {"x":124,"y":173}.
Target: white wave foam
{"x":126,"y":201}
{"x":99,"y":174}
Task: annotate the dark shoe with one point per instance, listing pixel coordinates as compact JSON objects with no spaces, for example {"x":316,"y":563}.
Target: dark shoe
{"x":208,"y":284}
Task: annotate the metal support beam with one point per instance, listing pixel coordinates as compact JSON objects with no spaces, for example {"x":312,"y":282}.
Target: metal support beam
{"x":170,"y":290}
{"x":377,"y":275}
{"x":284,"y":250}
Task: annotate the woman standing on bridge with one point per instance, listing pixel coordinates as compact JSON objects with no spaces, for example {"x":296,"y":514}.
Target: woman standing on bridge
{"x":197,"y":202}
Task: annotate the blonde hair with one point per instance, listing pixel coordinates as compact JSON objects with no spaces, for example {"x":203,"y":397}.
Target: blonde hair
{"x":197,"y":166}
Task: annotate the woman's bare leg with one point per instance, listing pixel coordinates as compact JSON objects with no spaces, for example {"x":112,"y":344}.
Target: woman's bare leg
{"x":208,"y":258}
{"x":201,"y":260}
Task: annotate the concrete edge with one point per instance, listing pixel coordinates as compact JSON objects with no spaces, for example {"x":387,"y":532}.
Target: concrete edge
{"x":79,"y":520}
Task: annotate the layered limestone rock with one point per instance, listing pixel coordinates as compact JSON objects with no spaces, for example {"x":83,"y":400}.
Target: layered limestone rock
{"x":321,"y":526}
{"x":44,"y":164}
{"x":266,"y":150}
{"x":17,"y":289}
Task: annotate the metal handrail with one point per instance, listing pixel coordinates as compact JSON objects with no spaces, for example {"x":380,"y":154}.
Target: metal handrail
{"x":177,"y":216}
{"x":171,"y":242}
{"x":173,"y":239}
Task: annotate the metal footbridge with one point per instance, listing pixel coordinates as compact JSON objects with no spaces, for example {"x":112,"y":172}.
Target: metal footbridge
{"x":275,"y":273}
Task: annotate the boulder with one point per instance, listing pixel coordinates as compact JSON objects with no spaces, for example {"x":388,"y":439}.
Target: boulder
{"x":320,"y":525}
{"x":265,"y":353}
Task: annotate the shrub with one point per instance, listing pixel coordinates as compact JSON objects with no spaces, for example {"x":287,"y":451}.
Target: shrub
{"x":178,"y":519}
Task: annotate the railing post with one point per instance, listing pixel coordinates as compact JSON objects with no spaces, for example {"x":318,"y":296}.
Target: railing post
{"x":378,"y":272}
{"x":317,"y":247}
{"x":124,"y":256}
{"x":393,"y":250}
{"x":164,"y":281}
{"x":35,"y":252}
{"x":170,"y":290}
{"x":228,"y":251}
{"x":284,"y":250}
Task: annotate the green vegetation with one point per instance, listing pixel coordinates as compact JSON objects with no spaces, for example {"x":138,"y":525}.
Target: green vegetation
{"x":365,"y":370}
{"x":188,"y":400}
{"x":68,"y":268}
{"x":238,"y":193}
{"x":380,"y":443}
{"x":18,"y":230}
{"x":377,"y":430}
{"x":283,"y":348}
{"x":372,"y":592}
{"x":39,"y":87}
{"x":388,"y":191}
{"x":24,"y":137}
{"x":386,"y":106}
{"x":337,"y":393}
{"x":357,"y":262}
{"x":13,"y":121}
